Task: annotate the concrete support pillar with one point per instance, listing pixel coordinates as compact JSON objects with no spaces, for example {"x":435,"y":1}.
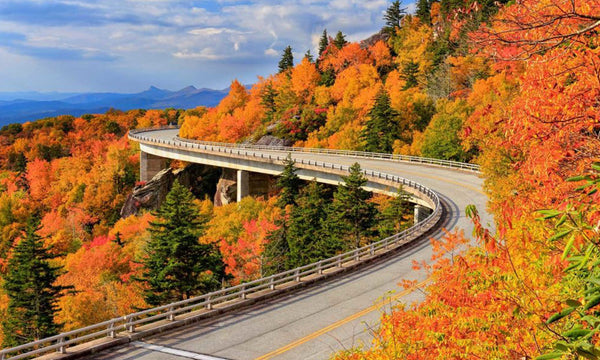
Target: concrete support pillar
{"x":243,"y":184}
{"x":150,"y":165}
{"x":421,"y":213}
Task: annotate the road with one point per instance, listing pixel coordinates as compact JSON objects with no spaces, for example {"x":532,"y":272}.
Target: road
{"x":335,"y":315}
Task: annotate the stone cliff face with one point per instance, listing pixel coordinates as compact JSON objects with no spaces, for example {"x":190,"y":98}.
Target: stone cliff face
{"x":200,"y":179}
{"x":226,"y":188}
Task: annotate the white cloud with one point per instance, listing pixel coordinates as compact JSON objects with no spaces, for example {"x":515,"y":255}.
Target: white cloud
{"x":271,"y":52}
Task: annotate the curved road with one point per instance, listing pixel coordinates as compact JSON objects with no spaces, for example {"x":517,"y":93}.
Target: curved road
{"x":335,"y":315}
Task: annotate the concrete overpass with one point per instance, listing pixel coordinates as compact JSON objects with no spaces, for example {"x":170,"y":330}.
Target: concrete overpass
{"x":313,"y":322}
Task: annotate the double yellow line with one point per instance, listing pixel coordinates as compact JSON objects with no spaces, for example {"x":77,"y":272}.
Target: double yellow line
{"x":339,"y":323}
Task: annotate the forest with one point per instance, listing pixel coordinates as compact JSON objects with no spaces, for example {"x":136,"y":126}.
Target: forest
{"x":510,"y":85}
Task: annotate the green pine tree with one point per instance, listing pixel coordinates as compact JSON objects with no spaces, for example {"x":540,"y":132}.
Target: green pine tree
{"x":352,"y":217}
{"x":410,"y":73}
{"x":396,"y":216}
{"x":381,"y":128}
{"x":267,"y":100}
{"x":287,"y":60}
{"x":423,"y":11}
{"x":340,"y":40}
{"x":305,"y":236}
{"x":393,"y":16}
{"x":277,"y":251}
{"x":323,"y":43}
{"x":176,"y":265}
{"x":289,"y":183}
{"x":31,"y":290}
{"x":308,"y":55}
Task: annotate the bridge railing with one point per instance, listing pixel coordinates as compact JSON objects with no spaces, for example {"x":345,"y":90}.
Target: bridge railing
{"x":136,"y":134}
{"x":127,"y":324}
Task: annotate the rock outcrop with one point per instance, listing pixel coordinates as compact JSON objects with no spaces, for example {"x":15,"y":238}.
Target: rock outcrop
{"x":200,"y":179}
{"x":226,"y":192}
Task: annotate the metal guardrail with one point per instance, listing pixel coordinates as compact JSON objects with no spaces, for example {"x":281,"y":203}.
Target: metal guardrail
{"x":115,"y":327}
{"x":350,"y":153}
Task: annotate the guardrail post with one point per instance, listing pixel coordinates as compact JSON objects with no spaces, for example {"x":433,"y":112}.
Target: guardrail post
{"x":243,"y":293}
{"x":111,"y":330}
{"x":356,"y":255}
{"x":130,"y":326}
{"x":372,"y":249}
{"x":272,"y":283}
{"x":339,"y":261}
{"x":170,"y":317}
{"x":62,"y":349}
{"x":208,"y":303}
{"x":320,"y":267}
{"x":297,"y":274}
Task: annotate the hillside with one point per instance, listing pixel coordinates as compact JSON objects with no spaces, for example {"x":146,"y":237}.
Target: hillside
{"x":512,"y":86}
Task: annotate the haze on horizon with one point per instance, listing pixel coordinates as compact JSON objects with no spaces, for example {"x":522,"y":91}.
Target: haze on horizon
{"x":128,"y":45}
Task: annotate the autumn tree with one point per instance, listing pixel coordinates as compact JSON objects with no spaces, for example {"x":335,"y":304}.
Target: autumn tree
{"x":287,"y":60}
{"x":381,"y":128}
{"x":309,"y":56}
{"x":30,"y":284}
{"x":176,"y":265}
{"x":393,"y":16}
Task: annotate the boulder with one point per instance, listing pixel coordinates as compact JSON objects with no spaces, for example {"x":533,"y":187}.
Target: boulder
{"x":200,"y":179}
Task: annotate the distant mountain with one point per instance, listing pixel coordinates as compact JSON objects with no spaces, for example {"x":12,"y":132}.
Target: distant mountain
{"x":28,"y":106}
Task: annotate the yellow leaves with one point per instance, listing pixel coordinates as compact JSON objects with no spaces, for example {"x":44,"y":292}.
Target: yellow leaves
{"x":305,"y":78}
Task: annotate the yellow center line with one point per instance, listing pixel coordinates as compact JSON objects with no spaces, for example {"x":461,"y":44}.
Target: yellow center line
{"x":339,"y":323}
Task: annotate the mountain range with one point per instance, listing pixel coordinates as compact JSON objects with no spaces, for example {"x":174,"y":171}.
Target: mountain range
{"x":27,"y":106}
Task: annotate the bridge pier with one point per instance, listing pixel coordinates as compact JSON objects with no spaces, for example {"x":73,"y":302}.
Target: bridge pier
{"x":421,"y":213}
{"x":243,"y":184}
{"x":150,"y":165}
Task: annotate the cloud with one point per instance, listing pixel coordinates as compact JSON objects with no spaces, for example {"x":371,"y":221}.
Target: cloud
{"x":174,"y":36}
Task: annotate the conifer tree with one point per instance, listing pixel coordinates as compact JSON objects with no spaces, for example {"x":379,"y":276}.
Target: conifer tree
{"x":276,"y":252}
{"x":267,"y":100}
{"x":305,"y":237}
{"x":410,"y":72}
{"x":423,"y":11}
{"x":32,"y":293}
{"x":287,"y":60}
{"x":323,"y":43}
{"x":393,"y":16}
{"x":177,"y":266}
{"x":391,"y":218}
{"x":309,"y":56}
{"x":352,"y":217}
{"x":289,"y":183}
{"x":340,"y":40}
{"x":381,"y":128}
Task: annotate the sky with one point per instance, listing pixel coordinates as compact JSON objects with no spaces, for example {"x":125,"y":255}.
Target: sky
{"x":128,"y":45}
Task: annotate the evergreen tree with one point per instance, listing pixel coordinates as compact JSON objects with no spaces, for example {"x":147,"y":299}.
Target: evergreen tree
{"x":323,"y":43}
{"x":391,"y":218}
{"x":381,"y":128}
{"x":31,"y":290}
{"x":423,"y":11}
{"x":289,"y":183}
{"x":267,"y":100}
{"x":327,"y":77}
{"x":410,"y":72}
{"x":177,"y":266}
{"x":287,"y":60}
{"x":393,"y":16}
{"x":305,"y":237}
{"x":340,"y":40}
{"x":352,"y":217}
{"x":309,"y":56}
{"x":276,"y":252}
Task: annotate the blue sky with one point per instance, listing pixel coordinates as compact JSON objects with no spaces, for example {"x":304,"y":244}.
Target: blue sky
{"x":128,"y":45}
